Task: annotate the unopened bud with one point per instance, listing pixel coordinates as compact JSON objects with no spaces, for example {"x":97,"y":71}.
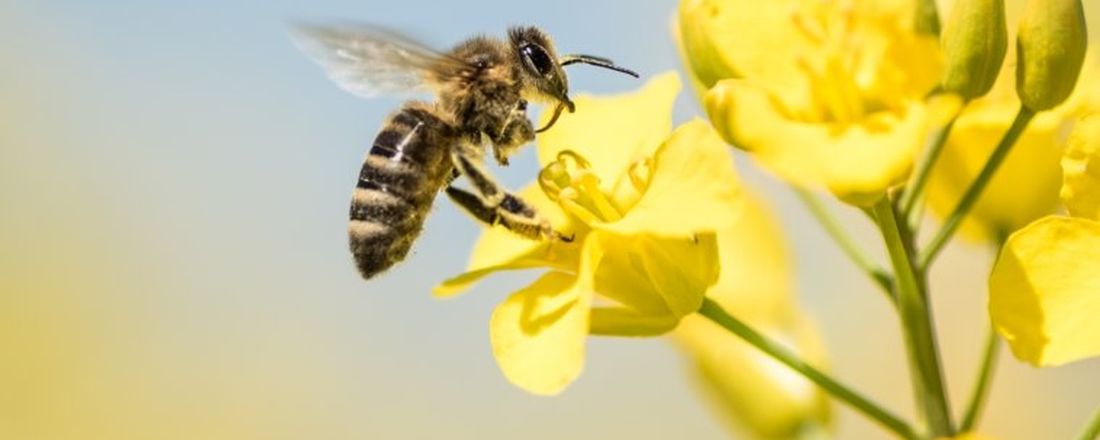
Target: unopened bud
{"x":927,"y":18}
{"x":974,"y":42}
{"x":1051,"y":46}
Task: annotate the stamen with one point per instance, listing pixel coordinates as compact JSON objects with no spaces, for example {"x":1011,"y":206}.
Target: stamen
{"x":552,"y":179}
{"x":578,"y":160}
{"x":568,"y":201}
{"x":591,"y":186}
{"x":639,"y":180}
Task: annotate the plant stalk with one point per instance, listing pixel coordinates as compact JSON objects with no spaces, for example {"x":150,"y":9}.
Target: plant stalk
{"x":916,"y":320}
{"x":714,"y":312}
{"x":849,"y":246}
{"x":970,"y":197}
{"x":980,"y":392}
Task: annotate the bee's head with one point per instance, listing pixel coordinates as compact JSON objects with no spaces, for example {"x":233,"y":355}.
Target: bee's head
{"x":542,"y":75}
{"x":541,"y":69}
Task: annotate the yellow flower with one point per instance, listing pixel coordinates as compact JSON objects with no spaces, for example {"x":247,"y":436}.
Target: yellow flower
{"x":749,"y":389}
{"x":1025,"y":187}
{"x":822,"y":93}
{"x":642,"y":202}
{"x":1044,"y":292}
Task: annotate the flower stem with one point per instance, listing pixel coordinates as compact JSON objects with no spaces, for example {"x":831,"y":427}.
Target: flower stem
{"x":1023,"y":117}
{"x":1092,"y":430}
{"x":714,"y":312}
{"x":850,"y":248}
{"x":916,"y":319}
{"x":981,"y":385}
{"x":915,"y":189}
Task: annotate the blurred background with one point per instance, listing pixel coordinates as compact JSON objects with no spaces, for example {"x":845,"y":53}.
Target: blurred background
{"x":174,"y":183}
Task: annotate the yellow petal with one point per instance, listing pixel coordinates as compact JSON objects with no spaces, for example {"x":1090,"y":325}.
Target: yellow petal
{"x":658,"y":276}
{"x":500,"y":249}
{"x":754,"y":257}
{"x":538,"y":333}
{"x":622,"y":279}
{"x":1025,"y":187}
{"x":681,"y":270}
{"x":742,"y":38}
{"x":1081,"y":165}
{"x":612,"y":132}
{"x":1044,"y":292}
{"x":654,"y":281}
{"x":693,"y":187}
{"x":752,"y":391}
{"x":621,"y":321}
{"x":857,"y":162}
{"x":464,"y":281}
{"x":697,"y":84}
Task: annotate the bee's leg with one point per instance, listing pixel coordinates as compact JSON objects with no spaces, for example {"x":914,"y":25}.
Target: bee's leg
{"x":516,"y":131}
{"x":493,"y":205}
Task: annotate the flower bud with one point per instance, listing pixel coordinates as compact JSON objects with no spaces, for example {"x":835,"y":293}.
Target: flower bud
{"x":1051,"y":46}
{"x":974,"y":42}
{"x":927,"y":18}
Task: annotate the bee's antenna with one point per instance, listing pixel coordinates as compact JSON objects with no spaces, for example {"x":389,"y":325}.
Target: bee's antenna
{"x":595,"y":61}
{"x":553,"y":119}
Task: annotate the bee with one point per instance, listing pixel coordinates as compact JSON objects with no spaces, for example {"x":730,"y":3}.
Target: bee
{"x":482,"y":88}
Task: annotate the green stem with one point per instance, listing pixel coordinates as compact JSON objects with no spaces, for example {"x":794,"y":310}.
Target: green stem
{"x":1023,"y":117}
{"x":915,"y":189}
{"x":916,"y":319}
{"x":1092,"y":430}
{"x":714,"y":312}
{"x":981,"y":385}
{"x":850,"y":248}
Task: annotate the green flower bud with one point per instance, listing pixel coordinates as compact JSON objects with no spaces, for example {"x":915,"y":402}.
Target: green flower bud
{"x":927,"y":18}
{"x":1051,"y":46}
{"x":974,"y":42}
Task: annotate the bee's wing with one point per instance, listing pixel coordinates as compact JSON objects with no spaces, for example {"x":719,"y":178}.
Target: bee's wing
{"x":370,"y":61}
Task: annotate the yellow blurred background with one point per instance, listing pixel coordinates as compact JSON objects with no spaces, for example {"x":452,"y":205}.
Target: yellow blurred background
{"x":174,"y":182}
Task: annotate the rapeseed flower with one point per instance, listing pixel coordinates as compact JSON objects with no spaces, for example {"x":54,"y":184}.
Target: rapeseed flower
{"x":642,"y":202}
{"x":823,"y":93}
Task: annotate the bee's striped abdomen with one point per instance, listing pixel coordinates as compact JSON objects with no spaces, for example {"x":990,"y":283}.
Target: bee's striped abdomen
{"x":404,"y":170}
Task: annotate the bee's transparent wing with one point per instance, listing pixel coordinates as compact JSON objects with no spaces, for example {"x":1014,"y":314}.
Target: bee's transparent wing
{"x":370,"y":61}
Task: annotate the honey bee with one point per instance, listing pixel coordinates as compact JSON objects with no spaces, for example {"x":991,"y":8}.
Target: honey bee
{"x":482,"y":87}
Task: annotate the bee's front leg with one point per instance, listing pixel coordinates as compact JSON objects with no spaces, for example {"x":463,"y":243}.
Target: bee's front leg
{"x":495,"y":206}
{"x":516,"y":131}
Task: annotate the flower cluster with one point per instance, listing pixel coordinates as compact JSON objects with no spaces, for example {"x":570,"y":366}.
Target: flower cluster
{"x":867,"y":100}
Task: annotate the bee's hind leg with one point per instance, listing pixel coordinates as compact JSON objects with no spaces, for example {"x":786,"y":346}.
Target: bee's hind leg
{"x":493,"y":205}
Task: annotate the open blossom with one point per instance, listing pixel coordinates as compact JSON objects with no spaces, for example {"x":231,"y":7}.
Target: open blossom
{"x":823,"y":93}
{"x":642,"y":202}
{"x":1044,"y":292}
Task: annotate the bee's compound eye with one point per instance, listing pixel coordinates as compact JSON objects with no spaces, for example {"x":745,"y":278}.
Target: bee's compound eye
{"x":537,"y":59}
